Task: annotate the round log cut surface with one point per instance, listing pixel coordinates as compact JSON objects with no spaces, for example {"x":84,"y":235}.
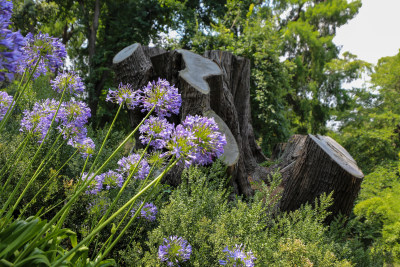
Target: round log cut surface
{"x":215,"y":85}
{"x":316,"y":165}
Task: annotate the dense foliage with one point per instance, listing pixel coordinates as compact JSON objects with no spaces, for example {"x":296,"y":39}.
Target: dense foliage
{"x":297,"y":81}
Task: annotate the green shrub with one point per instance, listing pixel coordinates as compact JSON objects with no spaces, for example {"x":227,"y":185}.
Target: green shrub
{"x":199,"y":211}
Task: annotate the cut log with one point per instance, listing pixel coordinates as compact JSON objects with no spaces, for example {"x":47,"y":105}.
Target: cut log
{"x":312,"y":165}
{"x":218,"y":89}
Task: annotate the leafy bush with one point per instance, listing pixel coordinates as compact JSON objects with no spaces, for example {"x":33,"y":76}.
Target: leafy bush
{"x":199,"y":211}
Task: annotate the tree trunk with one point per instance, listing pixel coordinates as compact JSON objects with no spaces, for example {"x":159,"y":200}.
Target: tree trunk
{"x":218,"y":88}
{"x":312,"y":165}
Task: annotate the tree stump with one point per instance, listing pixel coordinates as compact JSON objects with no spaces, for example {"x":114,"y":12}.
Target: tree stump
{"x":312,"y":165}
{"x":218,"y":88}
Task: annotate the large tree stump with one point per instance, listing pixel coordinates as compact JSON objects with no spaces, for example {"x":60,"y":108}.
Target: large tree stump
{"x":312,"y":165}
{"x":218,"y":88}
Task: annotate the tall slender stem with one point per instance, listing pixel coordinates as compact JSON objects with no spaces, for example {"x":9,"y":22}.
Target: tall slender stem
{"x":105,"y":223}
{"x":30,"y":164}
{"x":6,"y":166}
{"x":129,"y":211}
{"x":44,"y":186}
{"x":32,"y":245}
{"x":124,"y":185}
{"x":158,"y":179}
{"x":12,"y":165}
{"x":14,"y":103}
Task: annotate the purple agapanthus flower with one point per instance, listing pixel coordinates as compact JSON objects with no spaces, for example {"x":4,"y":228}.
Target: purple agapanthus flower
{"x":111,"y":179}
{"x":148,"y":211}
{"x":95,"y":184}
{"x":209,"y":142}
{"x":73,"y":116}
{"x":5,"y":102}
{"x":50,"y":51}
{"x":163,"y":96}
{"x":39,"y":119}
{"x":124,"y":94}
{"x":85,"y":146}
{"x":157,"y":129}
{"x":10,"y":43}
{"x":69,"y":81}
{"x":128,"y":164}
{"x":174,"y":250}
{"x":181,"y":145}
{"x":238,"y":257}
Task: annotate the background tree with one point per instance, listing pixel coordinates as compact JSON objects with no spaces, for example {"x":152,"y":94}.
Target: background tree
{"x":370,"y":128}
{"x":292,"y":53}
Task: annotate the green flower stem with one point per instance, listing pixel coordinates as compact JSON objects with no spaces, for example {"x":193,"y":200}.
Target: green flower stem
{"x":76,"y":195}
{"x":51,"y":208}
{"x":10,"y":198}
{"x":111,"y":156}
{"x":82,"y":172}
{"x":141,"y":187}
{"x":30,"y":164}
{"x":22,"y":78}
{"x":122,"y":189}
{"x":61,"y":221}
{"x":6,"y":166}
{"x":105,"y":139}
{"x":39,"y":170}
{"x":124,"y":142}
{"x":157,"y":180}
{"x":14,"y":103}
{"x":110,"y":219}
{"x":45,"y":185}
{"x":128,"y":210}
{"x":124,"y":185}
{"x":25,"y":142}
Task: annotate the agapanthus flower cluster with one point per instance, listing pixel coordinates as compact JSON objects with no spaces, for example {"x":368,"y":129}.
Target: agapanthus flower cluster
{"x":73,"y":116}
{"x":209,"y":142}
{"x":174,"y":250}
{"x":10,"y":43}
{"x":163,"y":96}
{"x":128,"y":164}
{"x":48,"y":50}
{"x":110,"y":179}
{"x":148,"y":211}
{"x":95,"y":184}
{"x":85,"y":146}
{"x":157,"y":129}
{"x":38,"y":120}
{"x":238,"y":257}
{"x":69,"y":81}
{"x":124,"y":94}
{"x":181,"y":145}
{"x":71,"y":119}
{"x":196,"y":141}
{"x":5,"y":102}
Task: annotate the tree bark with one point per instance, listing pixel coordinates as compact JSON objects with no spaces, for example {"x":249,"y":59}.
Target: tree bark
{"x":312,"y":165}
{"x":218,"y":88}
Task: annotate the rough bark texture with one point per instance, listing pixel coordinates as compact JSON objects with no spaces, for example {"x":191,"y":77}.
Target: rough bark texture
{"x":218,"y":88}
{"x":312,"y":165}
